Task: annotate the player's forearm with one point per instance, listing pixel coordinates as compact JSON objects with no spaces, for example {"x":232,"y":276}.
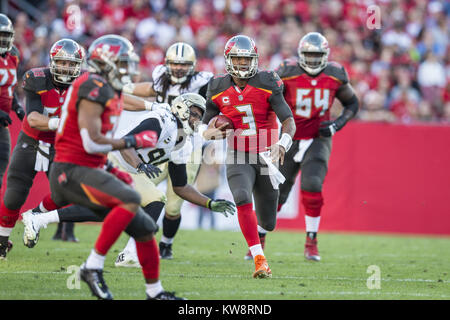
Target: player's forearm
{"x":131,"y":157}
{"x":189,"y":193}
{"x":288,"y":126}
{"x":142,"y":89}
{"x":133,"y":103}
{"x":40,"y":122}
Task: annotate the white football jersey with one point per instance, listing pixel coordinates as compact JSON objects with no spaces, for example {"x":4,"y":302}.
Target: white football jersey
{"x":197,"y":81}
{"x":166,"y":148}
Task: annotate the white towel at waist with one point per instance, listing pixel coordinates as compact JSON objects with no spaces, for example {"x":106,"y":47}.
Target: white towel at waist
{"x":302,"y":147}
{"x":276,"y":177}
{"x":42,"y":161}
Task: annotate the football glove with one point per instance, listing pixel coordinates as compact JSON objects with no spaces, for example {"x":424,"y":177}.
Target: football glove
{"x":5,"y":120}
{"x":223,"y":206}
{"x":329,"y":128}
{"x":144,"y":139}
{"x":20,"y":112}
{"x":150,"y":170}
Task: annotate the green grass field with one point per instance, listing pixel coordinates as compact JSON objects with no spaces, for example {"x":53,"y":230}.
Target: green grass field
{"x":209,"y":265}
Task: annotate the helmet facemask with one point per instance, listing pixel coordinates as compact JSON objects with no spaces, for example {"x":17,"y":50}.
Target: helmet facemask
{"x":6,"y":41}
{"x":179,"y":71}
{"x":190,"y":119}
{"x":242,"y":71}
{"x":313,"y":53}
{"x":65,"y":70}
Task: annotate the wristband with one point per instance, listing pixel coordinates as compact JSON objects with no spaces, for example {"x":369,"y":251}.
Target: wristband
{"x":148,"y":105}
{"x":128,"y":88}
{"x":285,"y":141}
{"x":53,"y":123}
{"x":208,"y":204}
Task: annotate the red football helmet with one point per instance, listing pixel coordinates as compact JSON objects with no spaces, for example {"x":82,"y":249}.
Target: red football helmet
{"x":241,"y":46}
{"x":66,"y":57}
{"x":113,"y":57}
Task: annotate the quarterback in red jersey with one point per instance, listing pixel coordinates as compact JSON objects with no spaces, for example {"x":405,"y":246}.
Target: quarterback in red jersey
{"x":77,"y":176}
{"x":252,"y":99}
{"x":45,"y":90}
{"x":310,"y":86}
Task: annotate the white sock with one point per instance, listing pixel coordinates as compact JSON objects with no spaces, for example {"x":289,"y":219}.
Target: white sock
{"x":48,"y":217}
{"x":5,"y":232}
{"x":166,"y":240}
{"x":256,"y":250}
{"x":131,"y":246}
{"x":95,"y":261}
{"x":312,"y":223}
{"x":262,"y":230}
{"x":153,"y":289}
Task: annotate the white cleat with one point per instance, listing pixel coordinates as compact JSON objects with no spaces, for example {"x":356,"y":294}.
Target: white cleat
{"x":31,"y":228}
{"x":127,"y":259}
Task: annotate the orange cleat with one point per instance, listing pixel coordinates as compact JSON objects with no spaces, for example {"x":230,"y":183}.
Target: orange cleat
{"x":262,"y":269}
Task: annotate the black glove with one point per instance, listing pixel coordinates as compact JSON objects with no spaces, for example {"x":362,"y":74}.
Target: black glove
{"x":20,"y":113}
{"x":150,"y":170}
{"x":223,"y":206}
{"x":5,"y":120}
{"x":329,"y":128}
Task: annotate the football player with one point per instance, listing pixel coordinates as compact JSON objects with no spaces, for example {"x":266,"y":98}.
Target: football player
{"x":310,"y":86}
{"x":77,"y":175}
{"x":171,"y":79}
{"x":172,"y":125}
{"x":45,"y":90}
{"x":253,"y":100}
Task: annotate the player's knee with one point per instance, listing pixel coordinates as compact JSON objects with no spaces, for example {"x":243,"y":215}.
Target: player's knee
{"x":173,"y":209}
{"x":15,"y":198}
{"x":141,"y":227}
{"x":242,"y":196}
{"x":268,"y":225}
{"x":312,"y":183}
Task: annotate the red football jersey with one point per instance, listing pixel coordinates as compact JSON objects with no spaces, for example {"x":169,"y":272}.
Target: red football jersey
{"x":249,"y":109}
{"x":8,"y":78}
{"x":69,"y":145}
{"x":310,"y":97}
{"x":39,"y":81}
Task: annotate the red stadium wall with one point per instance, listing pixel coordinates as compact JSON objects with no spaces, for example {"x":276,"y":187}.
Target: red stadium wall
{"x":382,"y":178}
{"x":386,"y":178}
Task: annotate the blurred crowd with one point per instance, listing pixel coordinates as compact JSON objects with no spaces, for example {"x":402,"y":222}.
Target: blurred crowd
{"x":400,"y":70}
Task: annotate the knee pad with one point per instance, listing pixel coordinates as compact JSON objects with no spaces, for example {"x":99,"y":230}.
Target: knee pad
{"x":241,"y":196}
{"x":312,"y":202}
{"x":141,"y":225}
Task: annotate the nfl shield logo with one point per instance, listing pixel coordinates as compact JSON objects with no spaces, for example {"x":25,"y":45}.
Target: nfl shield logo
{"x":241,"y":98}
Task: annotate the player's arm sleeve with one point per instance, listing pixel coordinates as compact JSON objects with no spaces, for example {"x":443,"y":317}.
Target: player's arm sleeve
{"x":177,"y":173}
{"x":33,"y":102}
{"x":15,"y":102}
{"x":280,"y":106}
{"x":202,"y":91}
{"x":95,"y":90}
{"x":148,"y":124}
{"x":346,"y":95}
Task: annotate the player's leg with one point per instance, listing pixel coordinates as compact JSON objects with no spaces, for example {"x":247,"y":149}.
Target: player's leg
{"x":20,"y":178}
{"x":172,"y":218}
{"x":5,"y":146}
{"x":97,"y":190}
{"x":314,"y":168}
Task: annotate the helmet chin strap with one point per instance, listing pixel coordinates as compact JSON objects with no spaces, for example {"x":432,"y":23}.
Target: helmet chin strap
{"x":178,"y":80}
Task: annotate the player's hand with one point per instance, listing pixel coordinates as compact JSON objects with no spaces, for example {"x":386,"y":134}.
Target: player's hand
{"x":122,"y":175}
{"x":20,"y":112}
{"x":328,"y":128}
{"x":5,"y":120}
{"x":213,"y":133}
{"x":150,"y":170}
{"x":277,"y":152}
{"x":144,"y":139}
{"x":223,"y":206}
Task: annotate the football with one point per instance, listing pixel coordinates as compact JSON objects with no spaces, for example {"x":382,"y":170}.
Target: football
{"x":221,"y":120}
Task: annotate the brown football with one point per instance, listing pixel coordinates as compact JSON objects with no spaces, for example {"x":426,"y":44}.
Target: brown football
{"x":221,"y":119}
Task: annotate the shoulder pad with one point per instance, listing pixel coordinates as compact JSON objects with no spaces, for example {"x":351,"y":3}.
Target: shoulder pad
{"x":217,"y":84}
{"x":158,"y":72}
{"x":289,"y":68}
{"x":269,"y":80}
{"x":337,"y":71}
{"x":35,"y":79}
{"x":95,"y":88}
{"x":15,"y":52}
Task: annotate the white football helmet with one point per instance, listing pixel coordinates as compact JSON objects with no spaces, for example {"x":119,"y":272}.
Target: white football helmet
{"x":181,"y":108}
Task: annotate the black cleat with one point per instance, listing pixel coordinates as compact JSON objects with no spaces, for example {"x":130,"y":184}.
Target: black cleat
{"x":164,"y":295}
{"x":165,"y":251}
{"x":5,"y":246}
{"x":58,"y":234}
{"x":68,"y":233}
{"x":95,"y":281}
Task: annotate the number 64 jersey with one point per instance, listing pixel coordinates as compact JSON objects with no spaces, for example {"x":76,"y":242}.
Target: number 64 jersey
{"x":310,"y":97}
{"x":168,"y":148}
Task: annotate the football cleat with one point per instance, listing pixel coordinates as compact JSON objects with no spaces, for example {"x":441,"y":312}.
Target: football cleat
{"x":31,"y":228}
{"x":58,"y":234}
{"x":127,"y":259}
{"x":262,"y":269}
{"x":67,"y":232}
{"x":165,"y":251}
{"x":165,"y":295}
{"x":5,"y":247}
{"x":311,"y":251}
{"x":95,"y":281}
{"x":262,"y":240}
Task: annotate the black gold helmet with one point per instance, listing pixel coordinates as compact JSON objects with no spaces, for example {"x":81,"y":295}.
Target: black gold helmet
{"x":6,"y":34}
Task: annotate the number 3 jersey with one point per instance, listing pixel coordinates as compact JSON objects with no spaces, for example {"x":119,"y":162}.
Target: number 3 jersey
{"x":69,"y":144}
{"x":39,"y":82}
{"x":250,"y":109}
{"x":168,"y":148}
{"x":310,"y":97}
{"x":8,"y":78}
